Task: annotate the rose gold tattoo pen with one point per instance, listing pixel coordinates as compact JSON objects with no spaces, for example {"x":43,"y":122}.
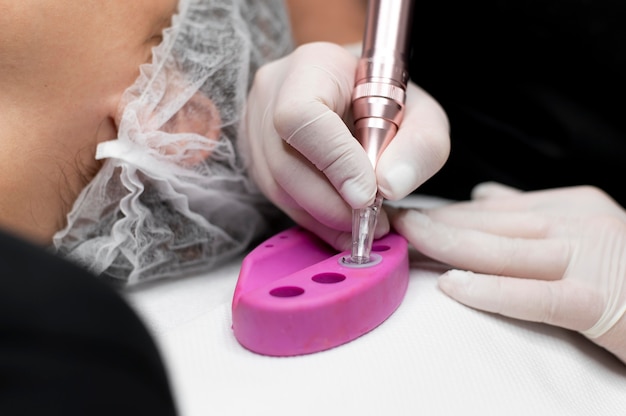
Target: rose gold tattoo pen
{"x":378,"y":100}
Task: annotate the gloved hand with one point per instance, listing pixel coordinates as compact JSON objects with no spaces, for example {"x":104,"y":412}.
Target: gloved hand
{"x":555,"y":256}
{"x":301,"y":153}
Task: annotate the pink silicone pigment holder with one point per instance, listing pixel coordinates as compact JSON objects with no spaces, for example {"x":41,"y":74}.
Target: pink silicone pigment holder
{"x":296,"y":295}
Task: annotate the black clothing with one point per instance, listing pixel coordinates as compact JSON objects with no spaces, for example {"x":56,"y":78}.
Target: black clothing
{"x":534,"y":90}
{"x":69,"y":344}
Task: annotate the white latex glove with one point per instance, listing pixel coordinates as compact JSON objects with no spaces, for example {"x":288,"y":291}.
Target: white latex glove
{"x":302,"y":154}
{"x":555,"y":256}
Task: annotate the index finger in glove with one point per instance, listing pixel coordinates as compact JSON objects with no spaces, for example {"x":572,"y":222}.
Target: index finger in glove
{"x":556,"y":303}
{"x":309,"y":116}
{"x":545,"y":259}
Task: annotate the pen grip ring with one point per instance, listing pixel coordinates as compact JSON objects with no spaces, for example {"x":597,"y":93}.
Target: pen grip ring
{"x":378,"y":89}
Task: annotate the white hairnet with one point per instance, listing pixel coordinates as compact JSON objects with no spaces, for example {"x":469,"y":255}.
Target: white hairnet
{"x":172,"y":197}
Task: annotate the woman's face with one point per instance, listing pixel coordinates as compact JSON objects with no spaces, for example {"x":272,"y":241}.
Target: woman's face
{"x":81,"y":54}
{"x":64,"y":65}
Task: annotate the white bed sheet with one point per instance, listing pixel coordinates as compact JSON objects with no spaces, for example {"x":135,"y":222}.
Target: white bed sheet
{"x":433,"y":356}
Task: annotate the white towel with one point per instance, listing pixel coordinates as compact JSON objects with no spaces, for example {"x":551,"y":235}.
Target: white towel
{"x":433,"y":356}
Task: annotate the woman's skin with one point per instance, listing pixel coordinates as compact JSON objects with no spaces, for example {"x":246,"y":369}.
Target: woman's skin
{"x":64,"y":65}
{"x":341,"y":22}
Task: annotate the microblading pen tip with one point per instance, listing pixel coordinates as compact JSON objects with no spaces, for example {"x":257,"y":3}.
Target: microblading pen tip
{"x":378,"y":100}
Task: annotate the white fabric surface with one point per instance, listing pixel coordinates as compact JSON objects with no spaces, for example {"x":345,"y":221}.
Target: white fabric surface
{"x":433,"y":356}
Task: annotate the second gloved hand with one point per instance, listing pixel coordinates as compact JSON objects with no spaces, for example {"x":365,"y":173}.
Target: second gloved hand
{"x":301,"y":152}
{"x":555,"y":256}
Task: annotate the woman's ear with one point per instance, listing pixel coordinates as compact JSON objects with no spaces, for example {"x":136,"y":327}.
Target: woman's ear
{"x":107,"y":130}
{"x":201,"y":118}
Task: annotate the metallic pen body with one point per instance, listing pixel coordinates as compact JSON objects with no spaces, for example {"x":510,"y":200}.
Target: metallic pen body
{"x":378,"y":99}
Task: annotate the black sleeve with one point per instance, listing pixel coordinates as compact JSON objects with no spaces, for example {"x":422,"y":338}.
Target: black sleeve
{"x":69,"y":344}
{"x":534,"y":91}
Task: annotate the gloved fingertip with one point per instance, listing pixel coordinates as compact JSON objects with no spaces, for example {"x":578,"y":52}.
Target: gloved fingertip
{"x":454,"y":281}
{"x":398,"y":181}
{"x":343,"y":242}
{"x":394,"y":211}
{"x":382,"y":226}
{"x":486,"y":190}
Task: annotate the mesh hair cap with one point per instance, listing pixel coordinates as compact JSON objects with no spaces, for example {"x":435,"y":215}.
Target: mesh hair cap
{"x":172,"y":197}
